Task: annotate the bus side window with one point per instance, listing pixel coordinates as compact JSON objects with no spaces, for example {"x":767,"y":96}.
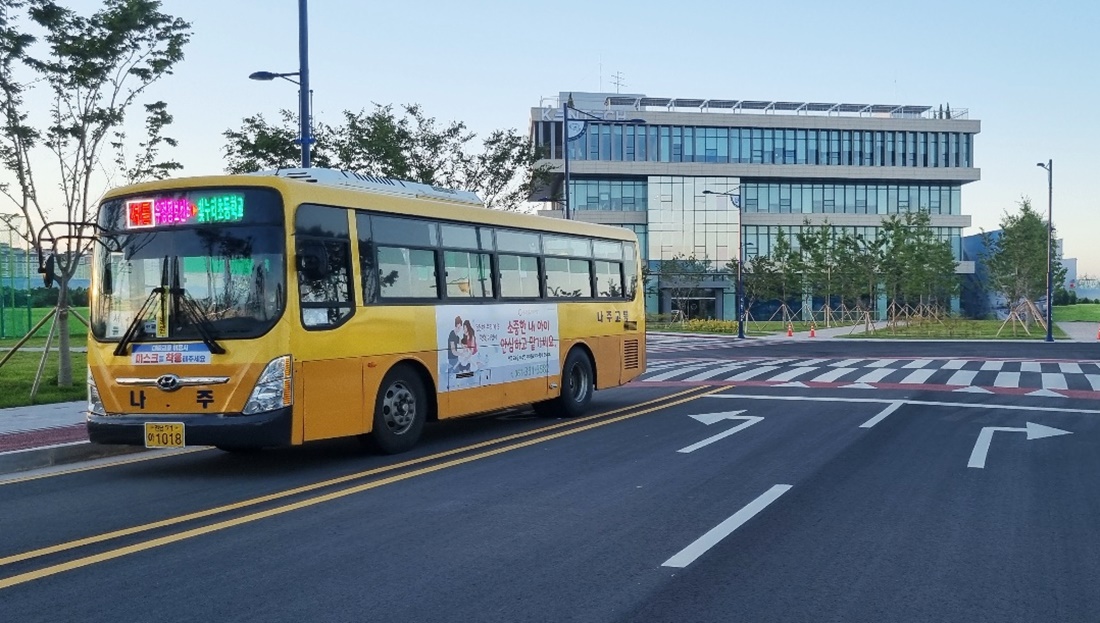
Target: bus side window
{"x":323,"y":263}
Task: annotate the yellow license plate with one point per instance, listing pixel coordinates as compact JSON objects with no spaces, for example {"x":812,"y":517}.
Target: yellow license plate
{"x":164,"y":435}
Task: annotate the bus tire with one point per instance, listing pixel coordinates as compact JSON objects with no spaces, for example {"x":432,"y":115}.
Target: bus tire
{"x":578,"y":383}
{"x":399,"y":411}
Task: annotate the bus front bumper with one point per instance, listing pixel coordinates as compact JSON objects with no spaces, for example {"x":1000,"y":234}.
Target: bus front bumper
{"x":231,"y":430}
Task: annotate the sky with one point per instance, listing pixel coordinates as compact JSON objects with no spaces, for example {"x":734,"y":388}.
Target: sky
{"x":1026,"y":70}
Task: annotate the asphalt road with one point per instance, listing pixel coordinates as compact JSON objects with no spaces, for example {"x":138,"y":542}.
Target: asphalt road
{"x":689,"y":502}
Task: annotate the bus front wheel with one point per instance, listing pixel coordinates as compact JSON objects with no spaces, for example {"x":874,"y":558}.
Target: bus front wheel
{"x":578,"y":383}
{"x":399,"y":411}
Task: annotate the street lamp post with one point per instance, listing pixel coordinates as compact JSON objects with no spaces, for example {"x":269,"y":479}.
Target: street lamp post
{"x":1049,"y":166}
{"x":735,"y":198}
{"x":569,"y":134}
{"x":304,"y":114}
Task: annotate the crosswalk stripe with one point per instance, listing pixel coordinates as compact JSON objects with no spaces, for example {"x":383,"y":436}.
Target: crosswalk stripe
{"x":992,"y":366}
{"x":744,"y":376}
{"x":1031,"y":366}
{"x":713,"y":372}
{"x":1007,"y":379}
{"x":833,"y":375}
{"x":962,"y":377}
{"x":812,"y":362}
{"x":1069,"y":368}
{"x":847,"y":363}
{"x":876,"y":376}
{"x":919,"y":363}
{"x":955,"y":364}
{"x":919,"y":376}
{"x":793,"y":373}
{"x":1094,"y":380}
{"x":882,"y":363}
{"x":1054,"y":380}
{"x":677,"y":372}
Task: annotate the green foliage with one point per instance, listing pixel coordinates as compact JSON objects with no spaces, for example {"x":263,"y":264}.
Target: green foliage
{"x":407,"y":145}
{"x":94,"y":69}
{"x":681,"y":275}
{"x":1017,"y":260}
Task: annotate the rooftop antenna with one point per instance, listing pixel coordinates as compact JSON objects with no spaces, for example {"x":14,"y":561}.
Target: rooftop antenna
{"x":617,"y":80}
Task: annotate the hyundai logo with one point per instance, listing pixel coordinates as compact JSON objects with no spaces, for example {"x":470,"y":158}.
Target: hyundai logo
{"x":169,"y":382}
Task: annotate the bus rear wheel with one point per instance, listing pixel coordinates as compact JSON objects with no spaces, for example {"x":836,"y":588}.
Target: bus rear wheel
{"x":578,"y":383}
{"x":399,"y":411}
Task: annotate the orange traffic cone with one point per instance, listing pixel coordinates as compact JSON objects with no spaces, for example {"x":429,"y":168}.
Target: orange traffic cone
{"x":813,"y":330}
{"x":790,"y":330}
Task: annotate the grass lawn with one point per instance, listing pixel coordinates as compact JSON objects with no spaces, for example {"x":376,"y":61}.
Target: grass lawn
{"x":17,"y":376}
{"x":15,"y":327}
{"x":960,"y":329}
{"x":1077,"y":313}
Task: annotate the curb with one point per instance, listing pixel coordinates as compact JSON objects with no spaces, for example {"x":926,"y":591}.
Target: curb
{"x":49,"y":456}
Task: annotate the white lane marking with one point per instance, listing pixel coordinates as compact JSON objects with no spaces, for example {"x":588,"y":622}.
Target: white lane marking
{"x":812,"y":362}
{"x":777,"y":362}
{"x":962,"y":377}
{"x":927,"y":403}
{"x":1007,"y":379}
{"x":1054,"y":380}
{"x":1069,"y":368}
{"x":793,"y":373}
{"x":1094,"y":380}
{"x":919,"y":363}
{"x":832,"y":375}
{"x":881,"y":363}
{"x":744,"y":376}
{"x":993,"y":366}
{"x":954,"y":364}
{"x":876,"y":376}
{"x":1031,"y":366}
{"x":749,"y":421}
{"x":882,"y":416}
{"x":1034,"y":431}
{"x":700,"y":546}
{"x":918,"y":376}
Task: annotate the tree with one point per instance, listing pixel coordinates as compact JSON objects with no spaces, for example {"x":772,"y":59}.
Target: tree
{"x":408,"y":145}
{"x":94,"y":69}
{"x":818,"y":263}
{"x":1017,"y":259}
{"x":681,"y":276}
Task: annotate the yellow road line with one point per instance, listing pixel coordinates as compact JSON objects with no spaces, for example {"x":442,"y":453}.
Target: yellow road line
{"x":328,"y":497}
{"x":61,"y":547}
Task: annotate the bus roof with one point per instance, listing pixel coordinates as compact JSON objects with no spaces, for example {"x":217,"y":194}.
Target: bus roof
{"x":306,"y":185}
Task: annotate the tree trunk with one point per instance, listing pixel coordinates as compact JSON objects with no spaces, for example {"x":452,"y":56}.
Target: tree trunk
{"x":65,"y":366}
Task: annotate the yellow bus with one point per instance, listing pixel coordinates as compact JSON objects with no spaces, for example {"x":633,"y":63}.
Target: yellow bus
{"x":277,"y":308}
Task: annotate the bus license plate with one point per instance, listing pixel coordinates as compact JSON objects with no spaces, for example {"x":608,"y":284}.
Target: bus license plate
{"x":164,"y":435}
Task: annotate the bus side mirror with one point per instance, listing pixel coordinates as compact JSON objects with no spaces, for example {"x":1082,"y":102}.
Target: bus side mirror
{"x":49,"y":273}
{"x":312,"y":261}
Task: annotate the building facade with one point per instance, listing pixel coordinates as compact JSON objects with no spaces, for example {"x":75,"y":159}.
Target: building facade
{"x":718,"y":180}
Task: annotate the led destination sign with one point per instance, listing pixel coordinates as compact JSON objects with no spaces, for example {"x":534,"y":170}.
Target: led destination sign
{"x":186,"y":210}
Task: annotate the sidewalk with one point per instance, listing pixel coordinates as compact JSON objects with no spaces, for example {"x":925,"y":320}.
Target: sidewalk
{"x":51,"y":434}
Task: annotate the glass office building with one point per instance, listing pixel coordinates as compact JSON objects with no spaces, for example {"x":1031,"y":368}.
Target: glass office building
{"x":720,"y":179}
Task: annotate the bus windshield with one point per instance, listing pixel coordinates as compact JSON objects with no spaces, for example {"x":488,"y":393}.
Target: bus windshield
{"x":227,"y":279}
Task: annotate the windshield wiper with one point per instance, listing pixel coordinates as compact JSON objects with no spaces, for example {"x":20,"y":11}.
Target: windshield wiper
{"x":191,"y":311}
{"x":154,"y":296}
{"x":139,"y":318}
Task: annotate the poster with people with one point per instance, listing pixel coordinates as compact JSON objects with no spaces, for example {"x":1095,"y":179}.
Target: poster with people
{"x":491,"y":344}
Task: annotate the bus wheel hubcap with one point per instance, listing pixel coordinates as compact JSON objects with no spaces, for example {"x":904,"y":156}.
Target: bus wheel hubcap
{"x":578,"y":381}
{"x":399,"y":408}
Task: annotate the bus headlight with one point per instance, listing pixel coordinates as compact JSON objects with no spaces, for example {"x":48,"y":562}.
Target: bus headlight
{"x":95,"y":405}
{"x":273,"y":389}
